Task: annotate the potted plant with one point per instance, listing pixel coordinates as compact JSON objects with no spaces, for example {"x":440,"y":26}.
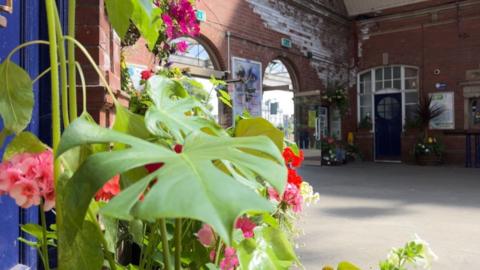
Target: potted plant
{"x":428,"y":150}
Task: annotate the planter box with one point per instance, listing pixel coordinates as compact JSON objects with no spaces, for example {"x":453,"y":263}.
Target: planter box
{"x":429,"y":160}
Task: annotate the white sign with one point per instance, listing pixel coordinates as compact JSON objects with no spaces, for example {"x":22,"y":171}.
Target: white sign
{"x":446,"y":120}
{"x":247,"y":92}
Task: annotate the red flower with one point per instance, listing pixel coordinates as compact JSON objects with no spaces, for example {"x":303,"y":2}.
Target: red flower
{"x":292,"y":159}
{"x":109,"y":190}
{"x":146,"y":74}
{"x":294,"y":178}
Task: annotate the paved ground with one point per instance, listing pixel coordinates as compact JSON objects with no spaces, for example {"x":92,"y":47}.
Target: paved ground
{"x":365,"y":209}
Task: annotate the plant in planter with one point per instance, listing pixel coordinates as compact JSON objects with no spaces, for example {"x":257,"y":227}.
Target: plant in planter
{"x":336,"y":96}
{"x":365,"y":124}
{"x":332,"y":152}
{"x":428,"y":150}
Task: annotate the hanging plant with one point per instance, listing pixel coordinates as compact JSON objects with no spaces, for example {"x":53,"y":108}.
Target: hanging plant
{"x":336,"y":96}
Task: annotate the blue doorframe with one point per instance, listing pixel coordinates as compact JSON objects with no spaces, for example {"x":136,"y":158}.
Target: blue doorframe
{"x":24,"y":24}
{"x":388,"y":127}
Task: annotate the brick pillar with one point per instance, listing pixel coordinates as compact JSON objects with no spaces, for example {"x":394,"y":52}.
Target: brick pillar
{"x":103,"y":44}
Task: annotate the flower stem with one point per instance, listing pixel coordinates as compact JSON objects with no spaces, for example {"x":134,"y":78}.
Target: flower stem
{"x":50,"y":10}
{"x":110,"y":259}
{"x":71,"y":62}
{"x":166,"y":252}
{"x":217,"y":253}
{"x":46,"y":261}
{"x":63,"y":69}
{"x":178,"y":243}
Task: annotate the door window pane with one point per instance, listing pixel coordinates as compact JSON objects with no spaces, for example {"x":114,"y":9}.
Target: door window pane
{"x":397,"y":84}
{"x":411,"y":83}
{"x":388,"y":73}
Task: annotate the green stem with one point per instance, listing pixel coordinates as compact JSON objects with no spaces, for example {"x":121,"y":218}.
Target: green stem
{"x":72,"y":94}
{"x":50,"y":10}
{"x":41,"y":75}
{"x":46,"y":261}
{"x":108,"y":255}
{"x":26,"y":44}
{"x":63,"y":69}
{"x":166,"y":252}
{"x":84,"y":88}
{"x":94,"y":65}
{"x":178,"y":243}
{"x":217,"y":253}
{"x":153,"y":239}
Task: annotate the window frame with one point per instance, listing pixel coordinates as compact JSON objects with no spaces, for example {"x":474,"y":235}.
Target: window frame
{"x":383,"y":90}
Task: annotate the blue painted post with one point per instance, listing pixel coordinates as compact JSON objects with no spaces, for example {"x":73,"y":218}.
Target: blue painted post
{"x":477,"y":150}
{"x":468,"y":151}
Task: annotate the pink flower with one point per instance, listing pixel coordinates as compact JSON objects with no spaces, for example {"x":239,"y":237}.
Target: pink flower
{"x":26,"y":193}
{"x":27,"y":177}
{"x":213,"y":255}
{"x":273,"y":194}
{"x":182,"y":46}
{"x":230,"y":262}
{"x":246,"y":225}
{"x":206,"y":235}
{"x":293,"y":197}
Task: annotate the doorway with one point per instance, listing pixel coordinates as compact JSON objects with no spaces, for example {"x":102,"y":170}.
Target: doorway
{"x":388,"y":127}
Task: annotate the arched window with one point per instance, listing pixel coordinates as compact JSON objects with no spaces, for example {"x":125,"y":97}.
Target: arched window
{"x":388,"y":79}
{"x":202,"y":64}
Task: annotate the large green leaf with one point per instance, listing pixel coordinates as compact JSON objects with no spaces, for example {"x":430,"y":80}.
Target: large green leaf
{"x":16,"y":97}
{"x":85,"y":252}
{"x":270,"y":249}
{"x":171,"y":115}
{"x":119,"y":15}
{"x":189,"y":184}
{"x":147,"y":20}
{"x":347,"y":266}
{"x":24,"y":142}
{"x":259,"y":126}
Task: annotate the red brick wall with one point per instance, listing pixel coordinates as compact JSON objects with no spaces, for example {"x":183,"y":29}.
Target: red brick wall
{"x":441,"y":38}
{"x":95,"y":33}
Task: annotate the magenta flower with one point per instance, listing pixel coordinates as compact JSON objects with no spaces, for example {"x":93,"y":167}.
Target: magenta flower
{"x":182,"y":46}
{"x":293,"y":197}
{"x":230,"y":262}
{"x":206,"y":235}
{"x":246,"y":225}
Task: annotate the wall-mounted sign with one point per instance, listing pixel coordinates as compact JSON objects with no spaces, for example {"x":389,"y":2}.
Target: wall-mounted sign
{"x":286,"y":43}
{"x":446,"y":120}
{"x":441,"y":86}
{"x":201,"y":15}
{"x":247,"y":93}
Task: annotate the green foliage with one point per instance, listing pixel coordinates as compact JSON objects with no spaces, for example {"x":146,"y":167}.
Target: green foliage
{"x":191,"y":186}
{"x":347,"y":266}
{"x":259,"y":126}
{"x":141,"y":13}
{"x":365,"y":123}
{"x":24,"y":142}
{"x":85,"y":252}
{"x":16,"y":97}
{"x":399,"y":258}
{"x":270,"y":249}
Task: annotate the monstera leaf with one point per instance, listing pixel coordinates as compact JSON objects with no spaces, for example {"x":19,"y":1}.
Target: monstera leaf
{"x":171,"y":115}
{"x":189,"y":185}
{"x":270,"y":249}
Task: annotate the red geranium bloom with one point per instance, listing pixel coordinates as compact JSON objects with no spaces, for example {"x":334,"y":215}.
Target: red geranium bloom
{"x":291,"y":158}
{"x":109,"y":190}
{"x":146,"y":74}
{"x":294,"y":178}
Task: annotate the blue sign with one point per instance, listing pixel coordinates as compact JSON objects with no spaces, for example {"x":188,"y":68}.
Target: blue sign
{"x":441,"y":86}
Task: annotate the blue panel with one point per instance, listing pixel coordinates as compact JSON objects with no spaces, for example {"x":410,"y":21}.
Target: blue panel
{"x":388,"y":126}
{"x":23,"y":25}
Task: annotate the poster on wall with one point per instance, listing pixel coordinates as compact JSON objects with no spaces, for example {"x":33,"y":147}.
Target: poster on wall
{"x":447,"y":119}
{"x":247,"y":93}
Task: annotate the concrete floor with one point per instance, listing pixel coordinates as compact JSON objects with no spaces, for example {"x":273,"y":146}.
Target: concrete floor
{"x":366,"y":208}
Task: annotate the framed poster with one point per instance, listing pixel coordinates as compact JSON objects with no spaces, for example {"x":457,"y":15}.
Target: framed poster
{"x":247,"y":93}
{"x":446,"y":120}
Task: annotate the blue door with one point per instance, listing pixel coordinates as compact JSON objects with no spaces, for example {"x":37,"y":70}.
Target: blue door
{"x":22,"y":25}
{"x":388,"y":127}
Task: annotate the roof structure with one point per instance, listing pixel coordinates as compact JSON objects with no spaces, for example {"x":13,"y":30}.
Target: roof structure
{"x":359,"y":7}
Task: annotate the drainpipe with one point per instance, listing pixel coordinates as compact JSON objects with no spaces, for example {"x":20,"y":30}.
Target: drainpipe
{"x":229,"y":35}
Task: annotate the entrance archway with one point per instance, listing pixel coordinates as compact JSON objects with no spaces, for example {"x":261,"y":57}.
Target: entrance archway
{"x":278,"y":88}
